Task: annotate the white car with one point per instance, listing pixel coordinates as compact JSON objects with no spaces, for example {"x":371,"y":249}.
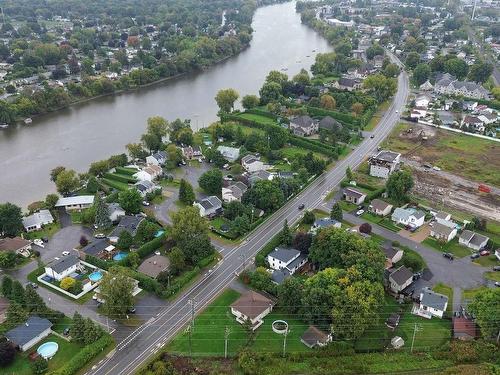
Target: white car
{"x":157,"y":253}
{"x":436,"y":168}
{"x":65,"y":253}
{"x":38,"y":242}
{"x":360,"y":212}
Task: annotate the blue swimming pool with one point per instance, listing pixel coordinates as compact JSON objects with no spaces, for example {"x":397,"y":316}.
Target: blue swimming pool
{"x":95,"y":276}
{"x":159,"y":233}
{"x":48,"y":349}
{"x":121,"y":255}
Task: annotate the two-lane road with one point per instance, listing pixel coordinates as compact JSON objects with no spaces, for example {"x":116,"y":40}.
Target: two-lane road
{"x":135,"y":350}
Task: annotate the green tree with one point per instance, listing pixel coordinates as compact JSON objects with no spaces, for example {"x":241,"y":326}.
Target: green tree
{"x":39,"y":366}
{"x":174,"y":155}
{"x":265,"y":195}
{"x":309,"y":217}
{"x":276,"y":77}
{"x":130,"y":200}
{"x":327,"y":101}
{"x":336,"y":212}
{"x":177,"y":261}
{"x":421,"y":73}
{"x":92,"y":331}
{"x":8,"y":259}
{"x":134,"y":259}
{"x":77,"y":329}
{"x":391,"y":70}
{"x":98,"y":168}
{"x":102,"y":219}
{"x":125,"y":240}
{"x":225,"y":99}
{"x":6,"y":287}
{"x":55,"y":172}
{"x":240,"y":225}
{"x":290,"y":294}
{"x":412,"y":60}
{"x":211,"y":182}
{"x":399,"y":185}
{"x":11,"y":222}
{"x":7,"y":353}
{"x":277,"y":137}
{"x":116,"y":289}
{"x":380,"y":86}
{"x":302,"y":78}
{"x":286,"y":237}
{"x":136,"y":151}
{"x":186,"y":193}
{"x":486,"y":308}
{"x":348,"y":173}
{"x":67,"y":283}
{"x":51,"y":201}
{"x":270,"y":92}
{"x":250,"y":101}
{"x":67,"y":181}
{"x":480,"y":72}
{"x":456,"y":67}
{"x":16,"y":314}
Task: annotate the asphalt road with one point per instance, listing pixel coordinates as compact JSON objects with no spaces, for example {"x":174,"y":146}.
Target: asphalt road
{"x":136,"y":349}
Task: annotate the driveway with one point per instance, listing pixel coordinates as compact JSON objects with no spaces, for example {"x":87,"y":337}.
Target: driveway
{"x":65,"y":240}
{"x":421,"y":234}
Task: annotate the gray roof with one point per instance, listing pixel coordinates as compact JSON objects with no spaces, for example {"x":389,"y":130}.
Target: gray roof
{"x":348,"y":82}
{"x":329,"y":123}
{"x":113,"y":207}
{"x":404,"y":213}
{"x":432,"y":299}
{"x":401,"y":275}
{"x":467,"y":235}
{"x":473,"y":238}
{"x":211,"y":202}
{"x":296,"y":262}
{"x":324,"y":222}
{"x":79,"y":199}
{"x":283,"y":254}
{"x":386,"y":155}
{"x":238,"y":189}
{"x":24,"y":333}
{"x":64,"y":263}
{"x":278,"y":276}
{"x":442,"y":229}
{"x":313,"y":335}
{"x":419,"y":214}
{"x":390,"y":252}
{"x":128,"y":223}
{"x":38,"y":218}
{"x":248,"y":159}
{"x":353,"y":193}
{"x":442,"y":215}
{"x":380,"y":205}
{"x":303,"y":121}
{"x":95,"y":247}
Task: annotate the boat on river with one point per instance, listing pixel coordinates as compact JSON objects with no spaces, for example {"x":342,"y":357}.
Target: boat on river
{"x":28,"y":120}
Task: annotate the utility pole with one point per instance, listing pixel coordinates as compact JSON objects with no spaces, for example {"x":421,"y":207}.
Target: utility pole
{"x":415,"y":329}
{"x":474,"y":10}
{"x":191,"y":304}
{"x":189,"y":331}
{"x":284,"y":340}
{"x":227,"y":331}
{"x":498,"y":337}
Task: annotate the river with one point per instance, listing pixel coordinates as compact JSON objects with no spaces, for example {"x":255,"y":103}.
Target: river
{"x":94,"y":130}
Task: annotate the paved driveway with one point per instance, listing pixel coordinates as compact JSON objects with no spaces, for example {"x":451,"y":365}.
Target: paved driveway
{"x":64,"y":240}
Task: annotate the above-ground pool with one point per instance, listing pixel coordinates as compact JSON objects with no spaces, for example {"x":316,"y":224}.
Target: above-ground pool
{"x":121,"y":255}
{"x":48,"y":349}
{"x":95,"y":276}
{"x":159,"y":233}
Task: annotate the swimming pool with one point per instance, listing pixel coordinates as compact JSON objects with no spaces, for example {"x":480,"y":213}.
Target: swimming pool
{"x":95,"y":276}
{"x":159,"y":233}
{"x":48,"y":349}
{"x":121,"y":255}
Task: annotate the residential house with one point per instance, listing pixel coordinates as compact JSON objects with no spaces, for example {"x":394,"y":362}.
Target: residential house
{"x":432,"y":303}
{"x":473,"y":122}
{"x":448,"y":85}
{"x":378,"y":61}
{"x":145,"y":187}
{"x":37,"y":220}
{"x":325,"y":222}
{"x":422,"y":101}
{"x":127,"y":223}
{"x":408,"y":216}
{"x":191,"y":152}
{"x":149,"y":173}
{"x":209,"y":207}
{"x":330,"y":124}
{"x":348,"y":84}
{"x":231,"y":154}
{"x":380,"y":208}
{"x":443,"y":218}
{"x":158,"y":158}
{"x":464,"y":329}
{"x":30,"y":333}
{"x":426,"y":86}
{"x":400,"y":279}
{"x":252,"y":163}
{"x":63,"y":267}
{"x":115,"y":212}
{"x":354,"y":196}
{"x":79,"y":202}
{"x":154,"y":265}
{"x":314,"y":337}
{"x":234,"y":192}
{"x":418,"y":113}
{"x":384,"y":163}
{"x":472,"y":240}
{"x":285,"y":258}
{"x":252,"y":307}
{"x":392,"y":255}
{"x":442,"y":232}
{"x":260,"y":176}
{"x":447,"y":118}
{"x":488,"y":118}
{"x":17,"y":245}
{"x":100,"y":248}
{"x":303,"y":126}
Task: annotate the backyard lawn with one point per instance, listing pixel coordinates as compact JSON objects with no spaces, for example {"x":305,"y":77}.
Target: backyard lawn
{"x":22,"y":364}
{"x":258,"y":118}
{"x":383,"y":222}
{"x":451,"y":247}
{"x":208,"y":334}
{"x":487,"y":261}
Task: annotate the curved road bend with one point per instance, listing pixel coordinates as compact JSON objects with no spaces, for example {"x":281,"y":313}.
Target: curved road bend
{"x":137,"y":348}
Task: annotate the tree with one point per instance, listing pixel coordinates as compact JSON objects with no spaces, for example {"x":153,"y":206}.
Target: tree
{"x":348,"y":173}
{"x":11,"y":222}
{"x":98,"y":168}
{"x":421,"y":73}
{"x":116,"y":290}
{"x":67,"y":283}
{"x":357,"y":108}
{"x":83,"y":241}
{"x":225,"y":99}
{"x":456,"y":67}
{"x":211,"y":182}
{"x":174,"y":155}
{"x":51,"y":201}
{"x":480,"y":72}
{"x":67,"y":181}
{"x":290,"y":294}
{"x":270,"y":92}
{"x":327,"y":101}
{"x":55,"y":172}
{"x":130,"y":200}
{"x":302,"y":78}
{"x":398,"y":185}
{"x":486,"y":308}
{"x":250,"y":101}
{"x":276,"y":77}
{"x":391,"y":70}
{"x":380,"y":86}
{"x":125,"y":240}
{"x":265,"y":195}
{"x":186,"y":193}
{"x":77,"y":329}
{"x":16,"y":314}
{"x":240,"y":225}
{"x":7,"y":353}
{"x":6,"y":287}
{"x":365,"y":228}
{"x":234,"y":209}
{"x":302,"y":241}
{"x":39,"y":365}
{"x":177,"y":261}
{"x":134,"y":259}
{"x":336,"y":212}
{"x":412,"y":60}
{"x":260,"y":279}
{"x":146,"y":231}
{"x":136,"y":151}
{"x":8,"y":259}
{"x":309,"y":217}
{"x":102,"y":219}
{"x":277,"y":137}
{"x":286,"y":237}
{"x":374,"y":50}
{"x":91,"y":331}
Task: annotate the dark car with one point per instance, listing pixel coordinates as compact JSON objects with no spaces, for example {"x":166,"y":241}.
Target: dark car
{"x":497,"y":283}
{"x":372,"y":136}
{"x":301,"y":206}
{"x":66,"y":332}
{"x":475,"y":256}
{"x":448,"y":255}
{"x":45,"y":239}
{"x":131,"y":310}
{"x":32,"y":285}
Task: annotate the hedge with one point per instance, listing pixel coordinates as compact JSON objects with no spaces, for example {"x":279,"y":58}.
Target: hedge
{"x":102,"y":264}
{"x":260,"y":112}
{"x":149,"y":247}
{"x":344,"y":118}
{"x":126,"y":171}
{"x":115,"y":184}
{"x":260,"y":258}
{"x":84,"y":356}
{"x":120,"y":177}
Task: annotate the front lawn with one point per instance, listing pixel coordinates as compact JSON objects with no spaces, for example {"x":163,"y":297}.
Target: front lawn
{"x":346,"y":206}
{"x":22,"y":364}
{"x":450,"y":247}
{"x":47,"y":231}
{"x":487,"y":261}
{"x":492,"y":275}
{"x":471,"y":293}
{"x":209,"y":327}
{"x":447,"y":291}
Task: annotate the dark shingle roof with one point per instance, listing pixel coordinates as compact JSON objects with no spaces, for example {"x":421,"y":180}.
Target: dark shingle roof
{"x":128,"y":223}
{"x":313,"y":335}
{"x":432,"y":299}
{"x":284,"y":255}
{"x":401,"y":275}
{"x":64,"y":263}
{"x":26,"y":332}
{"x":95,"y":247}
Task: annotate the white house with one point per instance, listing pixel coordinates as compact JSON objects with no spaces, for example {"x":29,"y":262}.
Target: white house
{"x":63,"y":267}
{"x":380,"y":208}
{"x":234,"y":192}
{"x":325,"y":222}
{"x":252,"y":307}
{"x":472,"y":240}
{"x":231,"y":154}
{"x":303,"y":126}
{"x":289,"y":259}
{"x":408,"y":216}
{"x":148,"y":173}
{"x":209,"y":206}
{"x":442,"y":232}
{"x":79,"y":202}
{"x":432,"y":303}
{"x":145,"y":187}
{"x":423,"y":100}
{"x":252,"y":163}
{"x":37,"y":220}
{"x":115,"y":212}
{"x":30,"y":333}
{"x":354,"y":196}
{"x":384,"y":163}
{"x":392,"y":255}
{"x":443,"y":218}
{"x":158,"y":158}
{"x":400,"y":279}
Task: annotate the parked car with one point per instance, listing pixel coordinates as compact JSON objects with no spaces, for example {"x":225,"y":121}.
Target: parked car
{"x":145,"y":203}
{"x":360,"y":212}
{"x":372,"y":136}
{"x":475,"y":256}
{"x":448,"y":255}
{"x":497,"y":283}
{"x":38,"y":242}
{"x":131,"y":310}
{"x":496,"y":268}
{"x":65,"y":253}
{"x":32,"y":285}
{"x":157,"y":253}
{"x":66,"y":332}
{"x":301,"y":206}
{"x":484,"y":253}
{"x":100,"y":235}
{"x":45,"y":239}
{"x":436,"y":168}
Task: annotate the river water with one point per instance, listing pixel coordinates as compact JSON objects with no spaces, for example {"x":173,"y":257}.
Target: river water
{"x":91,"y":131}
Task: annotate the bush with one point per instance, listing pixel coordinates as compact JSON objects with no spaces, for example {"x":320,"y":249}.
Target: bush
{"x":260,"y":258}
{"x":7,"y":353}
{"x":149,"y":247}
{"x":99,"y":262}
{"x":413,"y":260}
{"x":365,"y":228}
{"x":344,"y":118}
{"x":39,"y":365}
